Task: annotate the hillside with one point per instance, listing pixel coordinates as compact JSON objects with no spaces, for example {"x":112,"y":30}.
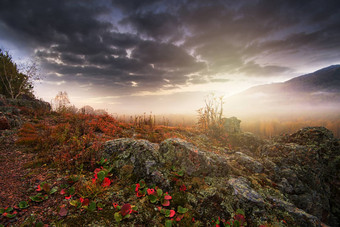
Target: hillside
{"x":317,"y":92}
{"x":77,"y":169}
{"x":324,"y":80}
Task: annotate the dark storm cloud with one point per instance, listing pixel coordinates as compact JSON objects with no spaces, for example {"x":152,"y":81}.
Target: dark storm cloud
{"x":156,"y":44}
{"x":72,"y":59}
{"x":160,"y":26}
{"x":164,"y":55}
{"x":46,"y":22}
{"x":133,"y":5}
{"x":122,"y":40}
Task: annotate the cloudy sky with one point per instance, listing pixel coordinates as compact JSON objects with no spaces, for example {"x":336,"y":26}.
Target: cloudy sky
{"x":164,"y":56}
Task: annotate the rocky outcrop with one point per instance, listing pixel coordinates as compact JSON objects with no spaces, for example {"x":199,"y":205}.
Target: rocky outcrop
{"x":245,"y":140}
{"x":248,"y":162}
{"x":193,"y":161}
{"x":136,"y":159}
{"x":232,"y":125}
{"x":154,"y":162}
{"x":307,"y":171}
{"x":293,"y":178}
{"x":12,"y":109}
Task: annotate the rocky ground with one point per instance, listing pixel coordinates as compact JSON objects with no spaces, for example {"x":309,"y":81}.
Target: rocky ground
{"x":292,"y":180}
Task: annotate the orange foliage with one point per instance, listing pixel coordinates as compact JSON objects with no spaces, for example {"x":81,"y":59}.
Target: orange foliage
{"x":69,"y":138}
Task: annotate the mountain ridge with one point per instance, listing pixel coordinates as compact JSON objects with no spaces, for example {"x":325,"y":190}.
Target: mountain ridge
{"x":316,"y":92}
{"x":325,"y":79}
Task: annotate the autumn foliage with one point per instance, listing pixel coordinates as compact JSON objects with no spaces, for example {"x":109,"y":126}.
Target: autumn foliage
{"x":69,"y":138}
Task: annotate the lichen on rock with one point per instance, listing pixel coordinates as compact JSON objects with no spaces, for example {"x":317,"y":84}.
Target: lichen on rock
{"x":286,"y":178}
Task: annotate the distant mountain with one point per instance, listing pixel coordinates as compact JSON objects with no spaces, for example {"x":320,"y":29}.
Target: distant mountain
{"x":318,"y":91}
{"x":323,"y":80}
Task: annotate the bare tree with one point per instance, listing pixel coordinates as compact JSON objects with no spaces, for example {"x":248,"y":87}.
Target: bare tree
{"x":210,"y":116}
{"x":14,"y":82}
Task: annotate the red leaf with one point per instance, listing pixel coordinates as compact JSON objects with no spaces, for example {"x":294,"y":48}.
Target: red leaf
{"x":106,"y":182}
{"x":137,"y":187}
{"x":63,"y":191}
{"x":39,"y":188}
{"x":115,"y":205}
{"x":167,"y":197}
{"x":97,"y":170}
{"x":172,"y":213}
{"x":68,"y":197}
{"x":126,"y":209}
{"x":166,"y":203}
{"x":179,"y":217}
{"x":183,"y":188}
{"x":151,"y":191}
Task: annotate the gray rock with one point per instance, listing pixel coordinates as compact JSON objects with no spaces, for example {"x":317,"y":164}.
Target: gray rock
{"x":249,"y":162}
{"x":244,"y":192}
{"x":232,"y":125}
{"x":285,"y":186}
{"x":300,"y":172}
{"x":301,"y":217}
{"x":141,"y":155}
{"x":194,"y":162}
{"x":306,"y":171}
{"x":245,"y":140}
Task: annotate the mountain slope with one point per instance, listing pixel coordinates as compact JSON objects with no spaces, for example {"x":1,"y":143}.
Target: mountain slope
{"x":318,"y":92}
{"x":323,"y":80}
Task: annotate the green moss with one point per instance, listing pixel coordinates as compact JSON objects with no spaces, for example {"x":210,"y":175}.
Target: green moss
{"x":179,"y":199}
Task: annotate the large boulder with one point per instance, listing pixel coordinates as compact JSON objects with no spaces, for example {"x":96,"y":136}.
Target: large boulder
{"x":11,"y":110}
{"x":154,"y":162}
{"x":309,"y":136}
{"x":35,"y":104}
{"x":193,"y":161}
{"x":232,"y":125}
{"x":215,"y":188}
{"x":248,"y":162}
{"x":244,"y":192}
{"x":300,"y":216}
{"x":135,"y":159}
{"x":307,"y":171}
{"x":245,"y":140}
{"x":262,"y":205}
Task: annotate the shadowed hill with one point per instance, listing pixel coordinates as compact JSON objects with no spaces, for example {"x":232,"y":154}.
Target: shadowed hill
{"x":317,"y":92}
{"x":323,"y":80}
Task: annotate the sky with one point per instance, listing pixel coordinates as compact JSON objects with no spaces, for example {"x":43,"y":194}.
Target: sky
{"x":165,"y":56}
